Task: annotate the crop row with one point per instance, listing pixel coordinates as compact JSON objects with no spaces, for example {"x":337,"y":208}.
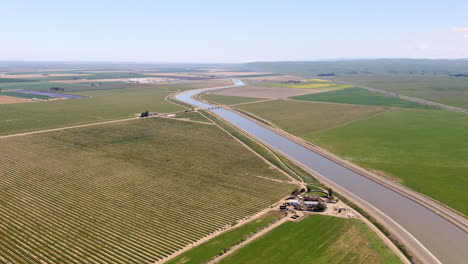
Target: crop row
{"x":78,"y":208}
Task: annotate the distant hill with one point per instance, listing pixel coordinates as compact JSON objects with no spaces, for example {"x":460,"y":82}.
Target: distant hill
{"x":365,"y":66}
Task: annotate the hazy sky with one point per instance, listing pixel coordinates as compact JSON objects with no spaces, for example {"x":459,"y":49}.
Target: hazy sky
{"x":231,"y":31}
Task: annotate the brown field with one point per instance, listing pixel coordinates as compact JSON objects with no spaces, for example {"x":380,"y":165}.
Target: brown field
{"x":279,"y":78}
{"x":108,"y":71}
{"x":12,"y":100}
{"x":177,"y":74}
{"x":37,"y":75}
{"x":110,"y":80}
{"x":231,"y":73}
{"x":266,"y":92}
{"x":218,"y":69}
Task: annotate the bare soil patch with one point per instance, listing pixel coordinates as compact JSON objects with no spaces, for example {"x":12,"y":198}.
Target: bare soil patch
{"x":266,"y":92}
{"x":12,"y":100}
{"x":267,"y":79}
{"x":176,"y":74}
{"x":218,"y":69}
{"x":235,"y":73}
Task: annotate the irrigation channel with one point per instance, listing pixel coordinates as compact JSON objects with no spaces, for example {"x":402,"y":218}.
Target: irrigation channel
{"x":429,"y":237}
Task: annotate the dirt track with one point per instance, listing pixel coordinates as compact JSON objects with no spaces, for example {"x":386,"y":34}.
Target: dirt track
{"x":4,"y":99}
{"x":266,"y":92}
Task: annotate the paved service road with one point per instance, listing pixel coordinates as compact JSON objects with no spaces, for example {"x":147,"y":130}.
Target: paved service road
{"x":430,"y":237}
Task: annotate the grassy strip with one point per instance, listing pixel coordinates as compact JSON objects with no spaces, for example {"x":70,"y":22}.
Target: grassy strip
{"x":222,"y":243}
{"x":227,"y":99}
{"x":180,"y":103}
{"x":255,"y":117}
{"x":295,"y":171}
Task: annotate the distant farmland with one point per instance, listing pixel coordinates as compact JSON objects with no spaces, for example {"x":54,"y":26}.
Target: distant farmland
{"x":101,"y":105}
{"x":129,"y":192}
{"x":441,"y":89}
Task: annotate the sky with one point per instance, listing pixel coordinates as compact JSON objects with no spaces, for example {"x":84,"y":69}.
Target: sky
{"x":231,"y":31}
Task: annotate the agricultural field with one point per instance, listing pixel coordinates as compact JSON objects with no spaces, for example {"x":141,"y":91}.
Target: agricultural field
{"x":193,"y":116}
{"x":359,"y":96}
{"x":128,"y":192}
{"x":442,"y":89}
{"x":255,"y":90}
{"x":101,"y":105}
{"x":423,"y":149}
{"x":24,"y":95}
{"x":316,"y":239}
{"x":322,"y":85}
{"x":210,"y":249}
{"x":420,"y":148}
{"x":302,"y":118}
{"x":228,"y":100}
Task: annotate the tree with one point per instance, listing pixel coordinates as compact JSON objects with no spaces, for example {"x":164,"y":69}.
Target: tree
{"x":145,"y":114}
{"x":56,"y":89}
{"x":321,"y":206}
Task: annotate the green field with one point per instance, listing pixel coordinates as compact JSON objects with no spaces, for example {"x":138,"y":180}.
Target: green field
{"x":38,"y":85}
{"x":128,"y":192}
{"x":425,"y":149}
{"x":101,"y":105}
{"x":441,"y":89}
{"x":27,"y":96}
{"x":359,"y":96}
{"x":193,"y":116}
{"x":309,"y":85}
{"x":316,"y":239}
{"x":13,"y":80}
{"x":303,"y":118}
{"x":210,"y":249}
{"x":228,"y":100}
{"x":421,"y":148}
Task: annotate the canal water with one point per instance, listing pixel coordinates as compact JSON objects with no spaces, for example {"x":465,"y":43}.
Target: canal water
{"x":445,"y":240}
